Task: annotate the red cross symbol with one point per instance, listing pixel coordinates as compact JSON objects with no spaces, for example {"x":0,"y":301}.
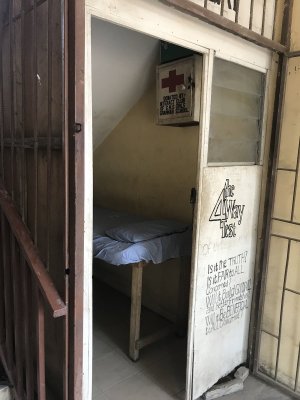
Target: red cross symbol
{"x":172,"y":81}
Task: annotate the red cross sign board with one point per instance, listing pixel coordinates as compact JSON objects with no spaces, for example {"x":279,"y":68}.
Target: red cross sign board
{"x":178,"y":91}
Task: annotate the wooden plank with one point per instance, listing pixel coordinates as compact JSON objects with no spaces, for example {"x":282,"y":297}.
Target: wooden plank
{"x":136,"y":305}
{"x":154,"y":337}
{"x":32,"y":255}
{"x":210,"y":17}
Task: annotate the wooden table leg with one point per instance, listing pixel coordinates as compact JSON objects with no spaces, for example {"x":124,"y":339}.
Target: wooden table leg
{"x":136,"y":304}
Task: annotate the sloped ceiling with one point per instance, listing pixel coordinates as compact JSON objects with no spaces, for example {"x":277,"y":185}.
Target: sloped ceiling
{"x":123,"y":67}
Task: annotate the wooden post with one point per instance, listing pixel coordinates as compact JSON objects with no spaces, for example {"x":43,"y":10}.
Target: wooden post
{"x":136,"y":304}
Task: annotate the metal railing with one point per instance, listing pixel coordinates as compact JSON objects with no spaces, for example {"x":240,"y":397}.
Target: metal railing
{"x":26,"y":293}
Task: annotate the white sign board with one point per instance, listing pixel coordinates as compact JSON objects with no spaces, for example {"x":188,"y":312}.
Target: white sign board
{"x":225,"y":269}
{"x":178,"y":91}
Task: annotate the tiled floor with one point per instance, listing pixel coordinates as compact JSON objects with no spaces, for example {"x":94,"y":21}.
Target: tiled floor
{"x":160,"y":372}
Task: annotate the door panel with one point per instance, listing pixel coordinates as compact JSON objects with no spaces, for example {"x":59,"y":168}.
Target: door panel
{"x":228,"y":234}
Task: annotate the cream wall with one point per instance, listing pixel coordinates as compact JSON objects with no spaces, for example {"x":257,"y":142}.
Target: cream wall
{"x":149,"y":170}
{"x":281,"y":324}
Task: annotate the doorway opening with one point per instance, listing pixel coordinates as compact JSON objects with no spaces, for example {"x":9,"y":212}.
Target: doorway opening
{"x":144,"y":179}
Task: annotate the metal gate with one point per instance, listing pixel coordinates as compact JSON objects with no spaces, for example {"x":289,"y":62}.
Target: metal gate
{"x":41,"y":175}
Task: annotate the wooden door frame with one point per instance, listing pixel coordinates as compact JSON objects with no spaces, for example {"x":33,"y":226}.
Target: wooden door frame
{"x":79,"y":386}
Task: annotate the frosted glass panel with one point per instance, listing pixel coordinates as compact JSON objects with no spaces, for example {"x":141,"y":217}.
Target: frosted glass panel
{"x":236,"y":111}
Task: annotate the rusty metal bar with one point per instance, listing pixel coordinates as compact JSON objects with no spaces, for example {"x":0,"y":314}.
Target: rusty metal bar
{"x":35,"y":124}
{"x":41,"y":372}
{"x":1,"y":106}
{"x":212,"y":18}
{"x":2,"y":309}
{"x":18,"y":316}
{"x":9,"y":345}
{"x":12,"y":100}
{"x":31,"y":254}
{"x":26,"y":289}
{"x":281,"y":308}
{"x":49,"y":133}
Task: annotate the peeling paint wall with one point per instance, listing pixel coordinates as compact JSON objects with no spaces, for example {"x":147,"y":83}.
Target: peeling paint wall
{"x":279,"y":349}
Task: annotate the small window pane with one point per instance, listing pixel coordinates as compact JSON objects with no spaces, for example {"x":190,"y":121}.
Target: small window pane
{"x":236,"y":110}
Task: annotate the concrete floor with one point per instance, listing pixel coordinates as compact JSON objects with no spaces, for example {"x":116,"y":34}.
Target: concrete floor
{"x":255,"y":389}
{"x":160,"y":372}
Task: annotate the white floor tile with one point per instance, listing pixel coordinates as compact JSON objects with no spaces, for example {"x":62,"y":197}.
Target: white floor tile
{"x":110,"y":370}
{"x":138,"y":387}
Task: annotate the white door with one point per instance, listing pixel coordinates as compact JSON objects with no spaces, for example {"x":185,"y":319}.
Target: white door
{"x":229,"y":194}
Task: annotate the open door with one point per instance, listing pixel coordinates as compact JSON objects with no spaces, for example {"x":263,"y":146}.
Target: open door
{"x":229,"y":197}
{"x":42,"y":197}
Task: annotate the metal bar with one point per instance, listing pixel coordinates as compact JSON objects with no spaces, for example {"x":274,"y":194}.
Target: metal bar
{"x":18,"y":316}
{"x":268,"y":209}
{"x":297,"y":370}
{"x":2,"y":309}
{"x":135,"y":314}
{"x":23,"y":157}
{"x":193,"y":9}
{"x":7,"y":295}
{"x":35,"y":127}
{"x":49,"y":133}
{"x":12,"y":98}
{"x":41,"y":373}
{"x":281,"y":308}
{"x":31,"y":254}
{"x":296,"y":183}
{"x":2,"y":106}
{"x":26,"y":290}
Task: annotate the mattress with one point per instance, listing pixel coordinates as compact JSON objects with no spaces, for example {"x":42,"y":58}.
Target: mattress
{"x":164,"y":239}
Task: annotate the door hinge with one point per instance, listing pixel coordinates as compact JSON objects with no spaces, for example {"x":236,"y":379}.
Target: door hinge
{"x":78,"y":127}
{"x":193,"y":196}
{"x":67,"y":271}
